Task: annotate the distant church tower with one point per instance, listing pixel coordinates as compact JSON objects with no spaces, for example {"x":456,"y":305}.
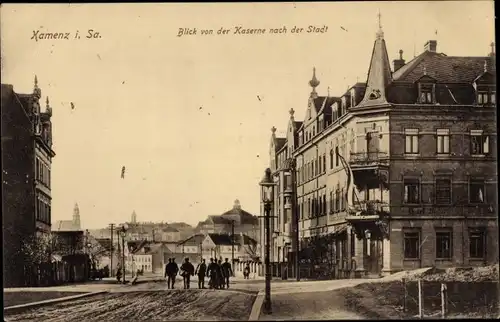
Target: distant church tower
{"x":76,"y":217}
{"x":134,"y":217}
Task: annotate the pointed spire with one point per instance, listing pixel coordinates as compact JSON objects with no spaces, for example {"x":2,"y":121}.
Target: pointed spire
{"x":379,"y":73}
{"x":314,"y":82}
{"x":328,"y":91}
{"x":380,"y":32}
{"x":36,"y":90}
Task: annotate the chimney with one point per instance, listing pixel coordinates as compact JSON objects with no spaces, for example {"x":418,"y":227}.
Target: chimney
{"x":398,"y":63}
{"x":431,"y":46}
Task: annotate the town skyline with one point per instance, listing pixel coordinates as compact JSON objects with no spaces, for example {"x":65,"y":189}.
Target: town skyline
{"x":142,"y":96}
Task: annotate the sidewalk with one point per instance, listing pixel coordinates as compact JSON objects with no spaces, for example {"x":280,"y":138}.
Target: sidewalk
{"x":105,"y":284}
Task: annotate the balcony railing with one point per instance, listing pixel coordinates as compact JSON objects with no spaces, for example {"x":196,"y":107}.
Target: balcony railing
{"x":369,"y":157}
{"x":370,"y":207}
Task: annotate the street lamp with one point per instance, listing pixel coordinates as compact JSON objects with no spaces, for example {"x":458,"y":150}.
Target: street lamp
{"x":267,"y":186}
{"x":123,"y":232}
{"x":368,"y":235}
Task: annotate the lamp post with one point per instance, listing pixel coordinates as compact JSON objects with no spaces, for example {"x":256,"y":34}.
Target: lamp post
{"x":267,"y":186}
{"x":368,"y":235}
{"x":123,"y":232}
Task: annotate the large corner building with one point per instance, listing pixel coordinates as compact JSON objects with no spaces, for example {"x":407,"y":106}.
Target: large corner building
{"x":26,"y":171}
{"x":397,"y":173}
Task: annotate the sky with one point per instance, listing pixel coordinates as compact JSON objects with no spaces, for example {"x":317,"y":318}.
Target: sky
{"x":190,"y":117}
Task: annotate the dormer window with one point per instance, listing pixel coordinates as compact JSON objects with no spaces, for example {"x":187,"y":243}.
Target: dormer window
{"x":485,"y":97}
{"x":353,"y":97}
{"x":482,"y":98}
{"x":335,"y":112}
{"x":342,"y":107}
{"x":427,"y":90}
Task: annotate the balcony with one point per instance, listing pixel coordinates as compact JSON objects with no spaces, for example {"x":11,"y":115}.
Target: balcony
{"x":369,"y":215}
{"x":370,"y":169}
{"x":363,"y":159}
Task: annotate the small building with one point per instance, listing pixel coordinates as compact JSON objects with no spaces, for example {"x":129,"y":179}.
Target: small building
{"x":243,"y":247}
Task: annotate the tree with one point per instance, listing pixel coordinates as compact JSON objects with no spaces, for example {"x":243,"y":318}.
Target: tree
{"x":39,"y":248}
{"x":251,"y":250}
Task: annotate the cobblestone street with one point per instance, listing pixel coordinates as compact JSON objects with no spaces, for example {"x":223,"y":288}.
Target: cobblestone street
{"x":147,"y":305}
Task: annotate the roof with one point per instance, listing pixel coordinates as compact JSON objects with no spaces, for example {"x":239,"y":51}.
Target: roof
{"x":218,"y":220}
{"x":194,"y":240}
{"x":379,"y":74}
{"x":245,"y":216}
{"x":170,"y":229}
{"x":444,"y":69}
{"x":65,"y":225}
{"x":151,"y":248}
{"x":226,"y":239}
{"x":280,"y":142}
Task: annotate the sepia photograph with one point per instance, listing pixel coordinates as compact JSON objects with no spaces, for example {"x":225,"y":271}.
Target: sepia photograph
{"x":249,"y":161}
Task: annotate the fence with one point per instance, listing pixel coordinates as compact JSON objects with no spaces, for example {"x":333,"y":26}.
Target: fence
{"x":425,"y":299}
{"x":49,"y":274}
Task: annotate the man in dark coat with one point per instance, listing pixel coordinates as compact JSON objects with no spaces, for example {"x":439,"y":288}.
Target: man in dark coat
{"x":212,"y":274}
{"x":227,"y":271}
{"x":220,"y":275}
{"x":171,"y":270}
{"x":187,"y":270}
{"x":201,"y":270}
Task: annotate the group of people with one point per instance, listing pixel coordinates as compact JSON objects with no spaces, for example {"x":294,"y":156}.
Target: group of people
{"x":218,"y":273}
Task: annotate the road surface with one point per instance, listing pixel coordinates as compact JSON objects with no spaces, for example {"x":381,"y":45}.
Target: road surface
{"x":160,"y":305}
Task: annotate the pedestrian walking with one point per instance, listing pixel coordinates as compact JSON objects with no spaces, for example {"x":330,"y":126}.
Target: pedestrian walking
{"x":187,"y":270}
{"x":171,"y":270}
{"x":227,"y":271}
{"x":212,"y":274}
{"x":201,"y":270}
{"x":220,"y":275}
{"x":246,"y":271}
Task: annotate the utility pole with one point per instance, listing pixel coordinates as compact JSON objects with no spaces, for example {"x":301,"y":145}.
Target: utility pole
{"x":111,"y":227}
{"x":232,"y":246}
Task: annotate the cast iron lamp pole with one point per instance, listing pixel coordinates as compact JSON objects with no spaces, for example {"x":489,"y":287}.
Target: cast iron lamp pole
{"x":267,"y":185}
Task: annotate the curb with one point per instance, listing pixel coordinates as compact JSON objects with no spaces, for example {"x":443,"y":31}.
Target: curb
{"x":14,"y":308}
{"x":257,"y":307}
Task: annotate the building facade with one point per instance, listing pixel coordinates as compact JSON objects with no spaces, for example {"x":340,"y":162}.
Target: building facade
{"x":26,"y":163}
{"x":235,"y":220}
{"x":398,"y":172}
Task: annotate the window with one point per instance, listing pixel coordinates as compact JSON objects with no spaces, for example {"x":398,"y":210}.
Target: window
{"x":482,"y":98}
{"x":411,"y":245}
{"x":443,"y":141}
{"x":443,"y":191}
{"x":443,"y":244}
{"x":476,"y":191}
{"x":411,"y":191}
{"x":336,"y":156}
{"x":324,"y":163}
{"x":477,"y":243}
{"x":426,"y":96}
{"x":411,"y":141}
{"x":331,"y":159}
{"x":324,"y":204}
{"x":480,"y":143}
{"x":493,"y":98}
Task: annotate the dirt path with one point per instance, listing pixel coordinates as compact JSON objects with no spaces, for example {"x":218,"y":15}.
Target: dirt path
{"x":328,"y":305}
{"x":147,"y":305}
